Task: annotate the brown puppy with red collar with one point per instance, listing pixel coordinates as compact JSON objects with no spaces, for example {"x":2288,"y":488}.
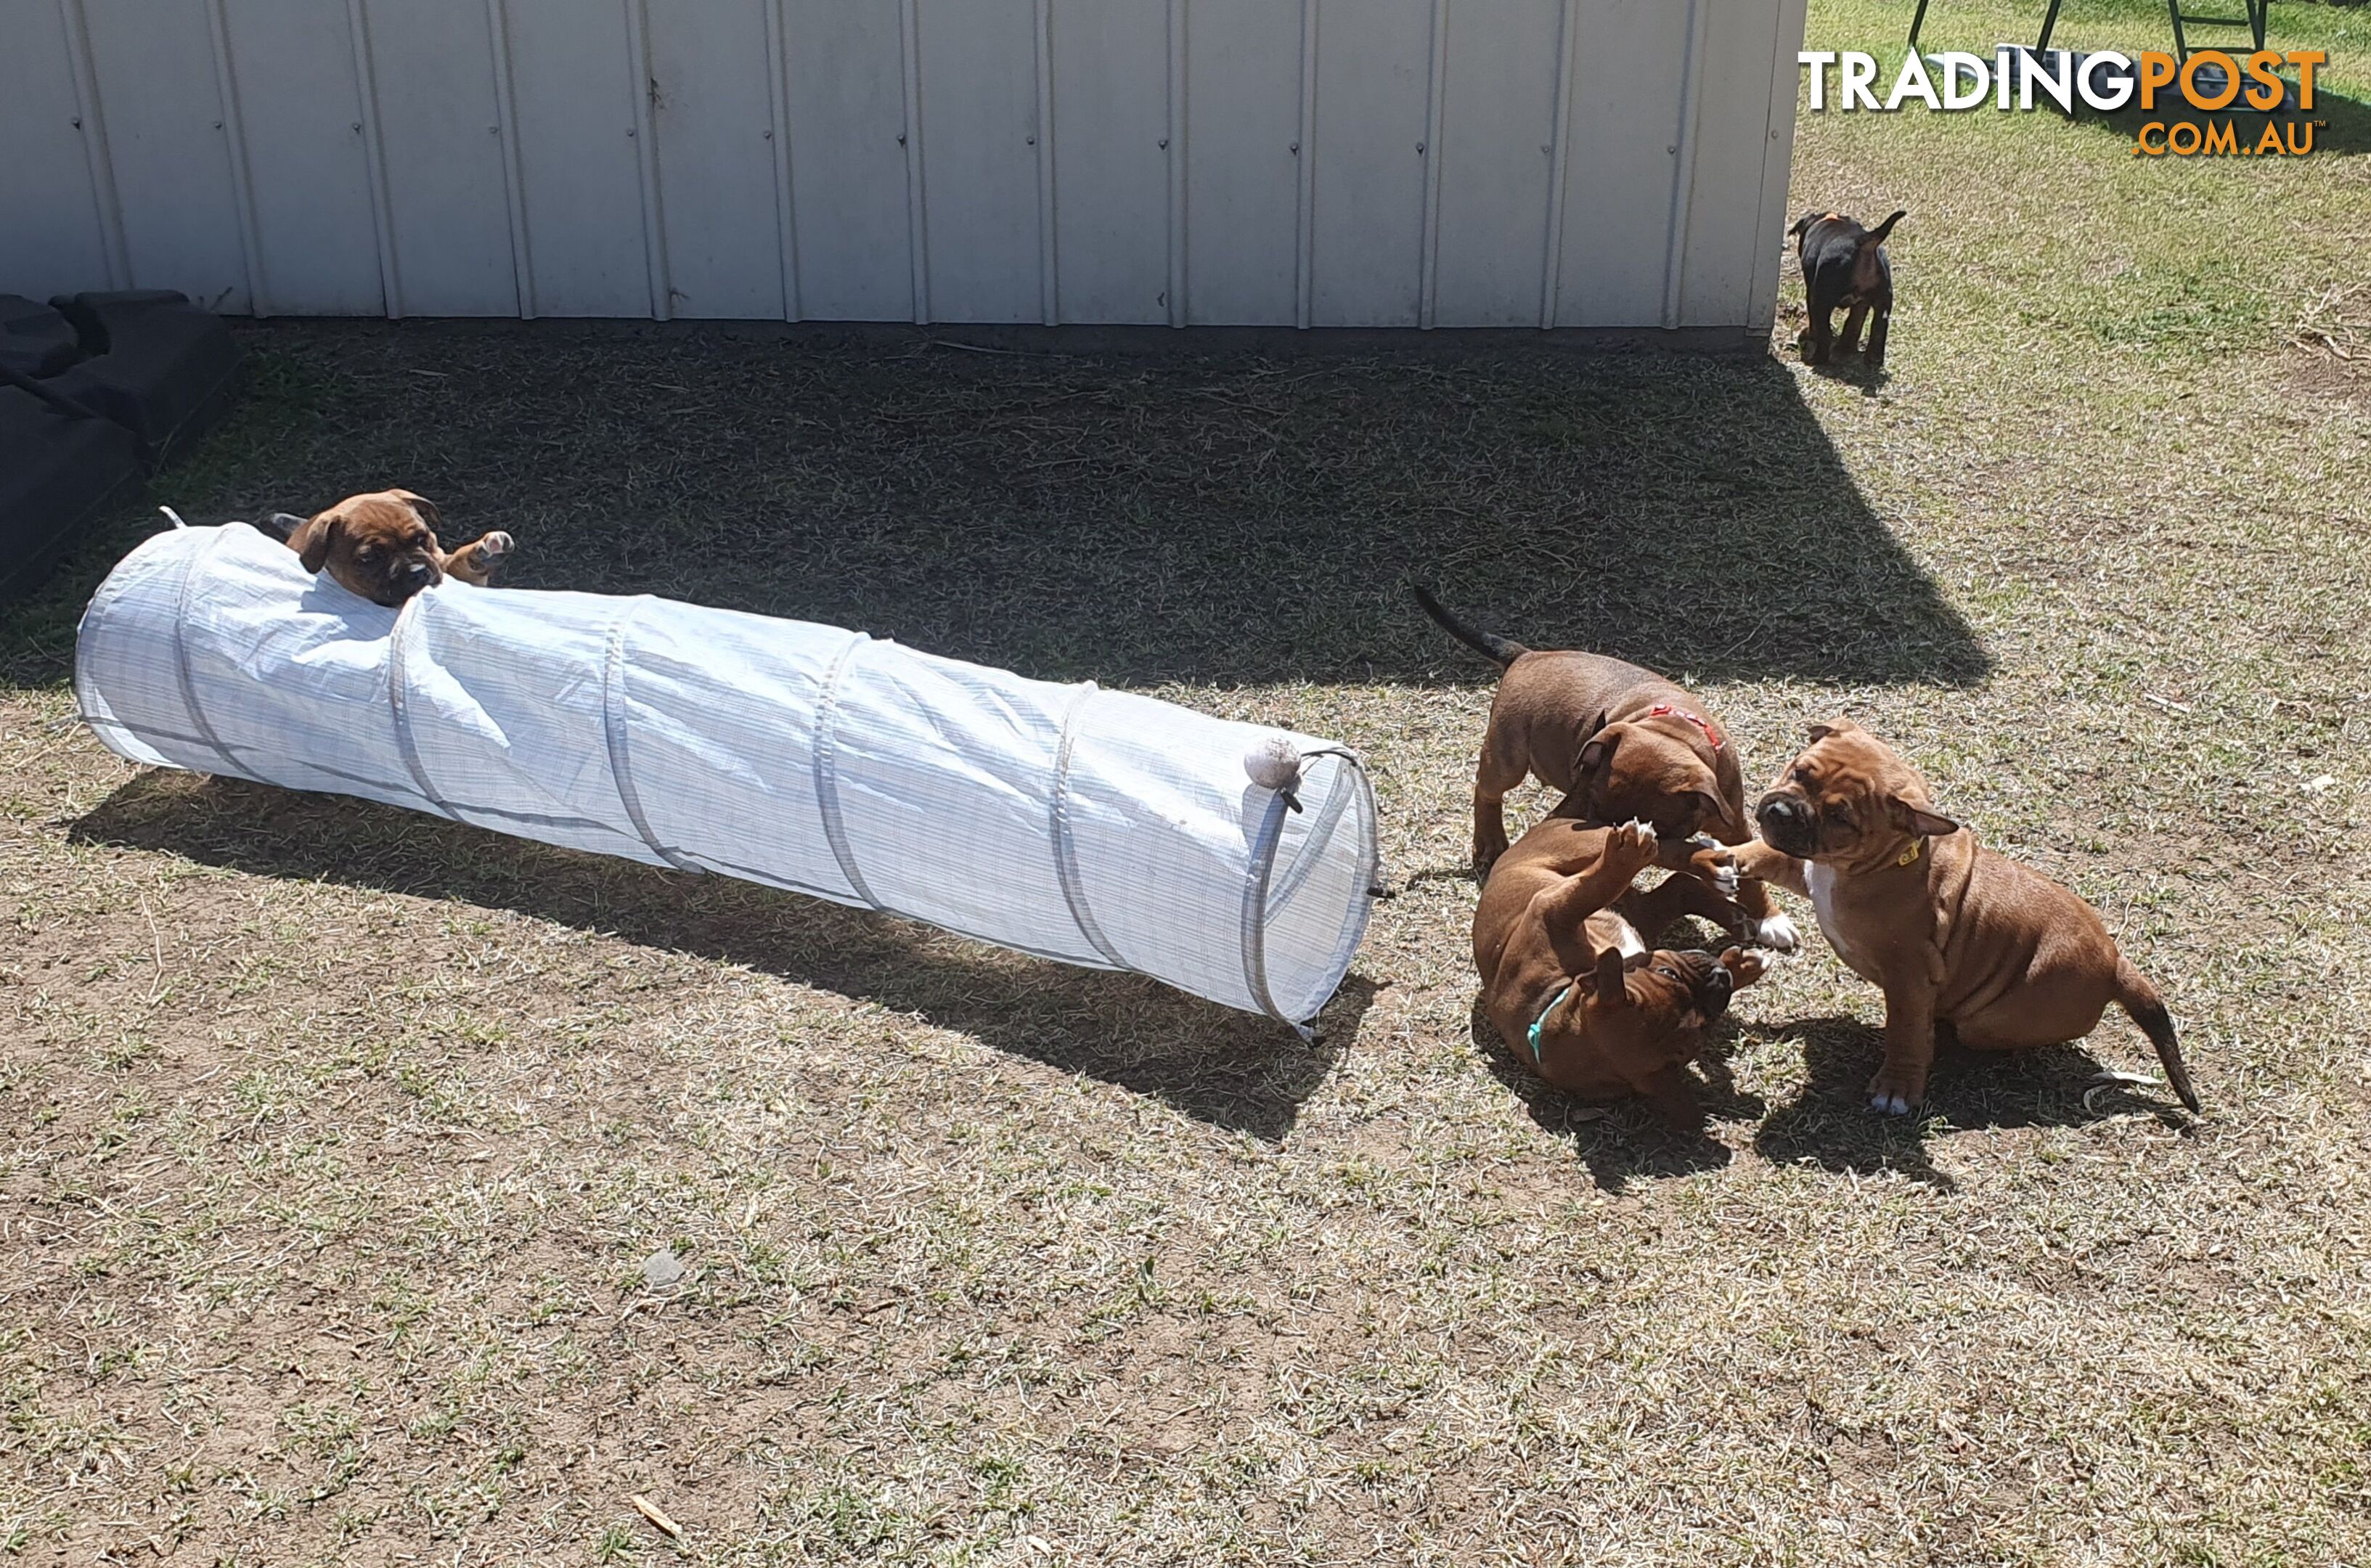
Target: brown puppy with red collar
{"x":1958,"y":937}
{"x":1621,"y":741}
{"x":382,"y":545}
{"x":1566,"y":978}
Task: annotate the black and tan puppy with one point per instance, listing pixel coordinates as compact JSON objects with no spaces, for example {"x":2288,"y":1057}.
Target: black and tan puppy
{"x":1845,"y":265}
{"x":1567,"y":979}
{"x":1621,"y":741}
{"x":382,"y":545}
{"x":1959,"y":938}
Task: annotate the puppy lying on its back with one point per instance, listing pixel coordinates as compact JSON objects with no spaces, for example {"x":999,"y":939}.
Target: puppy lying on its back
{"x":1567,"y":979}
{"x":382,"y":545}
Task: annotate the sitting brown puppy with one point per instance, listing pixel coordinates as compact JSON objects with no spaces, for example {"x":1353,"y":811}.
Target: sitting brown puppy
{"x":1845,"y":264}
{"x":1566,"y":978}
{"x":1959,"y":938}
{"x":1621,"y":741}
{"x":382,"y":545}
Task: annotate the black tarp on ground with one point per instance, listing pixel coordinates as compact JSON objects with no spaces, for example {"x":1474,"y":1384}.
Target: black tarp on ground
{"x":97,"y":390}
{"x":58,"y":477}
{"x":153,"y":362}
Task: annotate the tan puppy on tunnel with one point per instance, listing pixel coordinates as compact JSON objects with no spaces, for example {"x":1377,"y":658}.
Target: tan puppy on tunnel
{"x":382,"y":545}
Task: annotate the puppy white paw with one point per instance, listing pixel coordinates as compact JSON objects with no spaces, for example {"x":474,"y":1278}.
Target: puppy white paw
{"x":496,"y":545}
{"x":1744,"y":968}
{"x":1777,"y":933}
{"x":1633,"y":841}
{"x":1897,"y":1089}
{"x":1714,"y":862}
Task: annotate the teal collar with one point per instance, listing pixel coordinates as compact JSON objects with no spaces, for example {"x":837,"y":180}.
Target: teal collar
{"x":1533,"y":1038}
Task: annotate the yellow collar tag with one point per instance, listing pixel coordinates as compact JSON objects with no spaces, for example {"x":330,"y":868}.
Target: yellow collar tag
{"x":1912,"y":853}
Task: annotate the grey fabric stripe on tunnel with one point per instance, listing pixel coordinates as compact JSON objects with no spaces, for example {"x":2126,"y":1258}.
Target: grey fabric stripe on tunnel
{"x":827,"y":771}
{"x":614,"y":728}
{"x":1066,"y":853}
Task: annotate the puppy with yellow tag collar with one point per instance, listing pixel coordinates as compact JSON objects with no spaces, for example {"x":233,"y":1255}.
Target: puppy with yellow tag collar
{"x":1959,"y":938}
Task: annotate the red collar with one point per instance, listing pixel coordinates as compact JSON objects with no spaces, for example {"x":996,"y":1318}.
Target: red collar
{"x":1665,"y":710}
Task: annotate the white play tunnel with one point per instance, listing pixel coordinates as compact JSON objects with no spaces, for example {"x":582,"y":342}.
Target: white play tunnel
{"x":1091,"y":826}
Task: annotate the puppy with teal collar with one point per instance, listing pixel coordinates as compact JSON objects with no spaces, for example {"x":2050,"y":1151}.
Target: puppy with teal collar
{"x":1567,"y":979}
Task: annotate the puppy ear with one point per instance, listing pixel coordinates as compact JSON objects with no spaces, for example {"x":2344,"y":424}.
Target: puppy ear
{"x":1596,"y":751}
{"x":313,"y":540}
{"x":1826,"y":727}
{"x":422,"y":505}
{"x":1806,"y":221}
{"x":1877,"y":236}
{"x":1715,"y":809}
{"x":1919,"y":820}
{"x":1609,"y":989}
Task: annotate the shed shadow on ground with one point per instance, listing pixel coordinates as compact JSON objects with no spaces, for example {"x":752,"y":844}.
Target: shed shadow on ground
{"x":1220,"y":517}
{"x":1231,"y":1070}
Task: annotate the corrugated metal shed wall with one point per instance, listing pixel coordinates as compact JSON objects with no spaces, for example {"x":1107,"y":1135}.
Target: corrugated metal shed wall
{"x":1356,"y":163}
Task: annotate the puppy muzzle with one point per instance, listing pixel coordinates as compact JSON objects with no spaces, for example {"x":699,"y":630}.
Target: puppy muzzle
{"x":1714,"y":990}
{"x":1709,"y":981}
{"x":409,"y":580}
{"x":1787,"y":825}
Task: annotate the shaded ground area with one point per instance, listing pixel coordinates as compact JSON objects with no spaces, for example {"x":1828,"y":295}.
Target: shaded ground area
{"x":1211,"y":520}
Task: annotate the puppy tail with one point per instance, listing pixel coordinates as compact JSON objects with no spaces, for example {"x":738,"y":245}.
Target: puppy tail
{"x":1499,"y":650}
{"x":1877,"y":236}
{"x":2138,"y":998}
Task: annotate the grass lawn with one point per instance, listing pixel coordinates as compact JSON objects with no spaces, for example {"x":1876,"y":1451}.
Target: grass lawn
{"x":336,"y":1138}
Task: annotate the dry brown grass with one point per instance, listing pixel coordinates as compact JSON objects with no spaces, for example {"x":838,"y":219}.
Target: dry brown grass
{"x":338,"y":1137}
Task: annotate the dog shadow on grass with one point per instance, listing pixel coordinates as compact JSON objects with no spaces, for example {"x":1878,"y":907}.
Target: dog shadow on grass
{"x":1852,"y":369}
{"x":1231,"y":1070}
{"x":1828,"y":1123}
{"x":1626,"y":1138}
